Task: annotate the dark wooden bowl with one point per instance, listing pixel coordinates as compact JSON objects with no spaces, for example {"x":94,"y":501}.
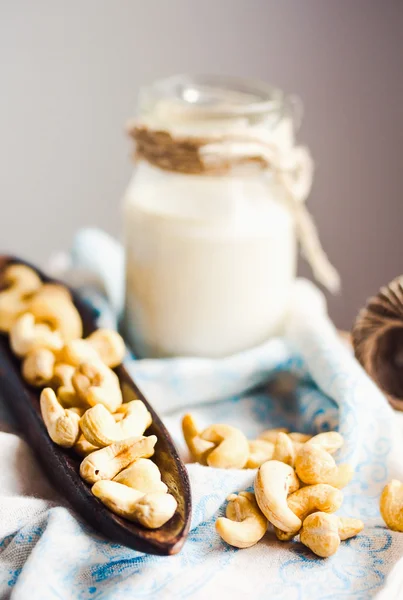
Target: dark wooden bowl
{"x":62,"y":465}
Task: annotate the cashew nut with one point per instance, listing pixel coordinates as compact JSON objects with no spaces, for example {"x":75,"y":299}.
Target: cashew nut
{"x":21,"y":282}
{"x":197,"y":447}
{"x":301,"y":438}
{"x":309,"y":499}
{"x":100,"y":428}
{"x":69,"y":399}
{"x":62,"y":383}
{"x":331,"y":441}
{"x":349,"y":527}
{"x":62,"y":424}
{"x":273,"y":482}
{"x":79,"y":410}
{"x":37,"y":367}
{"x":150,"y":510}
{"x":231,"y":448}
{"x":21,"y":278}
{"x":58,"y":313}
{"x":314,"y":465}
{"x":322,"y":532}
{"x":95,"y":383}
{"x":54,"y":290}
{"x":143,"y":475}
{"x":132,"y":411}
{"x":63,"y":375}
{"x":284,"y":449}
{"x":270,"y":435}
{"x":259,"y":452}
{"x":26,"y":335}
{"x":287,"y":445}
{"x":83,"y":447}
{"x":109,"y":461}
{"x":391,"y":505}
{"x":109,"y":345}
{"x":77,"y":351}
{"x":104,"y":344}
{"x":118,"y":416}
{"x":244,"y":524}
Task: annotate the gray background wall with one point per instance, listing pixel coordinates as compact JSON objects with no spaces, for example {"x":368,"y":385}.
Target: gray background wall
{"x":70,"y":72}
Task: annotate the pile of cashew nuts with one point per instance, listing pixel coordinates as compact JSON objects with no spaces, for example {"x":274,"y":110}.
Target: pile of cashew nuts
{"x":81,"y":403}
{"x":297,"y":488}
{"x":298,"y":484}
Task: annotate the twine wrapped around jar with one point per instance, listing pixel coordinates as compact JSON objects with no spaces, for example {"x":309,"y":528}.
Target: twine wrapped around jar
{"x":220,"y":153}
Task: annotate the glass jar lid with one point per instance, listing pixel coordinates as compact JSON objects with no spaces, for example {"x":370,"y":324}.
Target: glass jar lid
{"x":210,"y":98}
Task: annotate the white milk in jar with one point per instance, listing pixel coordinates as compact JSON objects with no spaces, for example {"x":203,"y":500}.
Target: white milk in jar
{"x":209,"y":234}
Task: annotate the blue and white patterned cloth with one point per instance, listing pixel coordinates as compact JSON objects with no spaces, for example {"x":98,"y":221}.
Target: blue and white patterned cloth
{"x":47,"y":552}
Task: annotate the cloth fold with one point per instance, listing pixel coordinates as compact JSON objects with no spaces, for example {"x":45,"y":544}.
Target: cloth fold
{"x":306,"y":380}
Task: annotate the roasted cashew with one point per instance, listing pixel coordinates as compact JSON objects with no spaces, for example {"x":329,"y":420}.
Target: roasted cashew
{"x":26,"y":335}
{"x":21,"y":278}
{"x":391,"y":505}
{"x":109,"y":345}
{"x":62,"y":425}
{"x":77,"y":351}
{"x":105,"y":345}
{"x":285,"y":449}
{"x":59,"y":314}
{"x":62,"y":384}
{"x":109,"y":461}
{"x":37,"y":367}
{"x":270,"y":435}
{"x":331,"y":441}
{"x":54,"y":290}
{"x":314,"y":465}
{"x":259,"y":452}
{"x":273,"y":483}
{"x":142,"y":475}
{"x":135,"y":409}
{"x":100,"y":428}
{"x":68,"y":398}
{"x":309,"y":499}
{"x":95,"y":383}
{"x":150,"y":510}
{"x":21,"y":282}
{"x":287,"y":445}
{"x":301,"y":438}
{"x":79,"y":410}
{"x":197,"y":447}
{"x":63,"y":375}
{"x":83,"y":447}
{"x":119,"y":416}
{"x":349,"y":527}
{"x":231,"y":448}
{"x":322,"y":532}
{"x":244,"y":524}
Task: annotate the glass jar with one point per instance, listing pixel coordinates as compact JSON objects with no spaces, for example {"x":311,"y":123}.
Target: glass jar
{"x":210,"y":239}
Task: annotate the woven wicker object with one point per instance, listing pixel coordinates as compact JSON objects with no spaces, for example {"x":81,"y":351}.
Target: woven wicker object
{"x":378,"y":340}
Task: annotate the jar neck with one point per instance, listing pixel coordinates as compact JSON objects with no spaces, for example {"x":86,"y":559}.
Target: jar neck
{"x":205,"y":106}
{"x":191,"y":99}
{"x":211,"y":125}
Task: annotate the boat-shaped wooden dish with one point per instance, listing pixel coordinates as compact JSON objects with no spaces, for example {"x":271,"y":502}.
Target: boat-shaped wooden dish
{"x":62,"y":465}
